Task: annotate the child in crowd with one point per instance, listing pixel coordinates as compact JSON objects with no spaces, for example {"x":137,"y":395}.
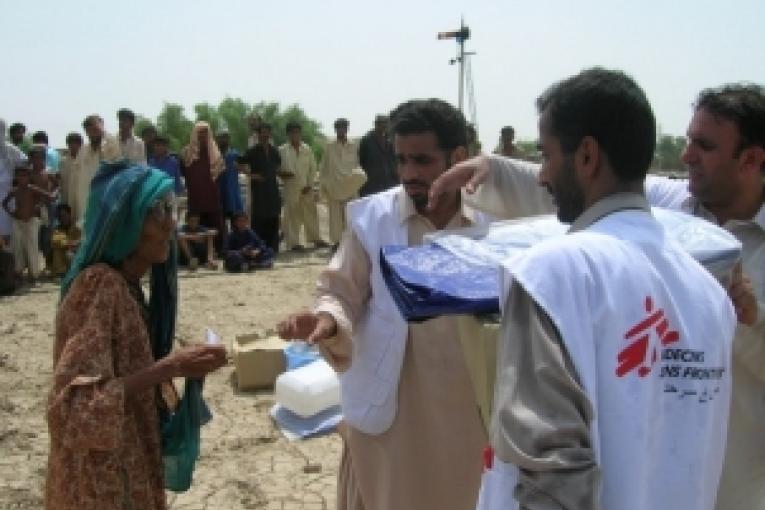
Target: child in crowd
{"x":45,"y":180}
{"x":196,"y":243}
{"x":64,"y":241}
{"x":29,"y":199}
{"x":243,"y":249}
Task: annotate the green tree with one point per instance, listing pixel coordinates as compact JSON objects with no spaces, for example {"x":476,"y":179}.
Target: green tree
{"x":668,"y":153}
{"x":273,"y":114}
{"x":527,"y":150}
{"x":140,"y":124}
{"x":172,"y":122}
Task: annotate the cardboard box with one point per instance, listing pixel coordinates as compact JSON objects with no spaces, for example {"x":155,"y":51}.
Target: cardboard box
{"x":258,"y":361}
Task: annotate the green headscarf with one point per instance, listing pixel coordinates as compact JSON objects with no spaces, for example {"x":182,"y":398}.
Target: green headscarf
{"x":121,"y":195}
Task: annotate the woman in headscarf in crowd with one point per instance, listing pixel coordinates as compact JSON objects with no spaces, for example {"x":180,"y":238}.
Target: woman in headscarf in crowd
{"x":202,"y":165}
{"x":112,"y":354}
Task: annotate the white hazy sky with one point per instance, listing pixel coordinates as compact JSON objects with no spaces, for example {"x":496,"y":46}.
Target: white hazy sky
{"x":65,"y":59}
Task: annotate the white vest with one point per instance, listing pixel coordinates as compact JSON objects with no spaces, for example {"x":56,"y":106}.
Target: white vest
{"x":369,"y":388}
{"x":649,"y":332}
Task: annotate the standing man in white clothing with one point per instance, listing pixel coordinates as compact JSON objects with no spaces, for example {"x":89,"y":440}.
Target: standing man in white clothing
{"x":100,"y":147}
{"x":132,"y":148}
{"x":725,"y":157}
{"x":340,"y":177}
{"x":298,"y":172}
{"x":10,"y":157}
{"x":587,"y":398}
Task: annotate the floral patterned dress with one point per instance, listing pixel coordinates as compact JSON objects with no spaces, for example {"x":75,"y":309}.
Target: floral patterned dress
{"x":105,"y":450}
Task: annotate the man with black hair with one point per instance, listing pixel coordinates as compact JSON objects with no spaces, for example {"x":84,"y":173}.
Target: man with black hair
{"x":101,"y":146}
{"x":10,"y":157}
{"x":298,"y":172}
{"x":340,"y":177}
{"x":583,"y":405}
{"x":168,"y":163}
{"x":131,"y":147}
{"x":52,"y":157}
{"x":506,"y":142}
{"x":262,"y":162}
{"x":413,"y":435}
{"x":67,"y":170}
{"x":377,"y":159}
{"x":148,"y":135}
{"x":725,"y":157}
{"x":16,"y":133}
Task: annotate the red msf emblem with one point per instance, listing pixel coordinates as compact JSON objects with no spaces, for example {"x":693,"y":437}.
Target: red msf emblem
{"x":641,"y":352}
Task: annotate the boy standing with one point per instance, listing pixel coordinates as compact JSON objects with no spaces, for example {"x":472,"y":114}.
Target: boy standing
{"x":26,"y":221}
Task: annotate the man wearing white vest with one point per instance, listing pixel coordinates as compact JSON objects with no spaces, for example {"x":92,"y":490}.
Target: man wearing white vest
{"x":413,"y":437}
{"x":725,"y":157}
{"x":613,"y":381}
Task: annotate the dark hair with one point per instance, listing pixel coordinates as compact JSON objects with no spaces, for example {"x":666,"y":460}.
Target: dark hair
{"x":40,"y":137}
{"x":125,"y":113}
{"x":162,"y":139}
{"x":148,"y":129}
{"x":239,"y":214}
{"x":741,"y":103}
{"x":507,"y":130}
{"x":610,"y":107}
{"x":74,"y":137}
{"x":292,"y":125}
{"x":341,"y":122}
{"x":17,"y":126}
{"x":431,"y":115}
{"x":91,"y":121}
{"x":265,"y":125}
{"x":63,"y":207}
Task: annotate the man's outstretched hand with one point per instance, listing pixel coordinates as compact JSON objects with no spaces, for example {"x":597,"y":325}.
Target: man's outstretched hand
{"x":468,"y":174}
{"x":313,"y":327}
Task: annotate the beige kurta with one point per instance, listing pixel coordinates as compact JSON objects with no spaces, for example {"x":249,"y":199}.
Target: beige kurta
{"x":341,"y":178}
{"x":299,"y":207}
{"x":431,"y":457}
{"x":86,"y":166}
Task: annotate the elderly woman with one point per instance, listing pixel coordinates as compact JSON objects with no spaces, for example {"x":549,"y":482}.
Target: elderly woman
{"x":112,"y":359}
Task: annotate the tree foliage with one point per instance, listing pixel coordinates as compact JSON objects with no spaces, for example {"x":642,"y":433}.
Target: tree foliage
{"x":232,"y":114}
{"x":669,"y":150}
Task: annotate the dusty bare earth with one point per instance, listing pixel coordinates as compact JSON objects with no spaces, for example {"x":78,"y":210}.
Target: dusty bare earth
{"x":245,"y":462}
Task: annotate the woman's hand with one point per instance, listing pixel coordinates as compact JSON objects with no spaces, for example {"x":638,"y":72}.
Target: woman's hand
{"x":196,"y":361}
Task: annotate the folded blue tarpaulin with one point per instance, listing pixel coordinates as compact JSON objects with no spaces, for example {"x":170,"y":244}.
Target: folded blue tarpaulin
{"x":457,"y":272}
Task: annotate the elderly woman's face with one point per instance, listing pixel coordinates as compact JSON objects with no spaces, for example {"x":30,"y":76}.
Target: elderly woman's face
{"x":154,"y":243}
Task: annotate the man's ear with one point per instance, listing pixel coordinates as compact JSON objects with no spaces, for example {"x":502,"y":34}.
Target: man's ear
{"x":458,"y":154}
{"x":587,"y":158}
{"x":752,"y":160}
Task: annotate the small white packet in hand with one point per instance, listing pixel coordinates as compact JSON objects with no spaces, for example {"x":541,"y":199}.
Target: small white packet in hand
{"x":212,"y":337}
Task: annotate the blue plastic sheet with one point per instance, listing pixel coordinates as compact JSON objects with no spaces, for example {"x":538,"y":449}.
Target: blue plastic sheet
{"x":457,"y":272}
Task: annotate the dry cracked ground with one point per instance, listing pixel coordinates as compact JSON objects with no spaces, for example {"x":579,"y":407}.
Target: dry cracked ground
{"x":245,"y":461}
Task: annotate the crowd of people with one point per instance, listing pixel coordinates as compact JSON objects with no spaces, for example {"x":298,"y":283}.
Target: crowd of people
{"x":45,"y":192}
{"x":573,"y":425}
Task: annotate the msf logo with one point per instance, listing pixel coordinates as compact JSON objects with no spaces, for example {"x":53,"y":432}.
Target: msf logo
{"x":641,"y":353}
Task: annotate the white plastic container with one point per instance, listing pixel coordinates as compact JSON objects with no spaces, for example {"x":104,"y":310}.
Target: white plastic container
{"x":308,"y":390}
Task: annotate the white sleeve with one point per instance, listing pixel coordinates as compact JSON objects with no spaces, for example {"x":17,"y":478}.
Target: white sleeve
{"x":511,"y":190}
{"x":665,"y":192}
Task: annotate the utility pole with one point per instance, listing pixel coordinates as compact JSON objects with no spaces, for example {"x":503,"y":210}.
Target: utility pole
{"x":461,"y":35}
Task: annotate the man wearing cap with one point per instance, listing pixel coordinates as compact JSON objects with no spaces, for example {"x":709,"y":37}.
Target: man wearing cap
{"x":340,"y":177}
{"x":132,"y":148}
{"x":377,"y":159}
